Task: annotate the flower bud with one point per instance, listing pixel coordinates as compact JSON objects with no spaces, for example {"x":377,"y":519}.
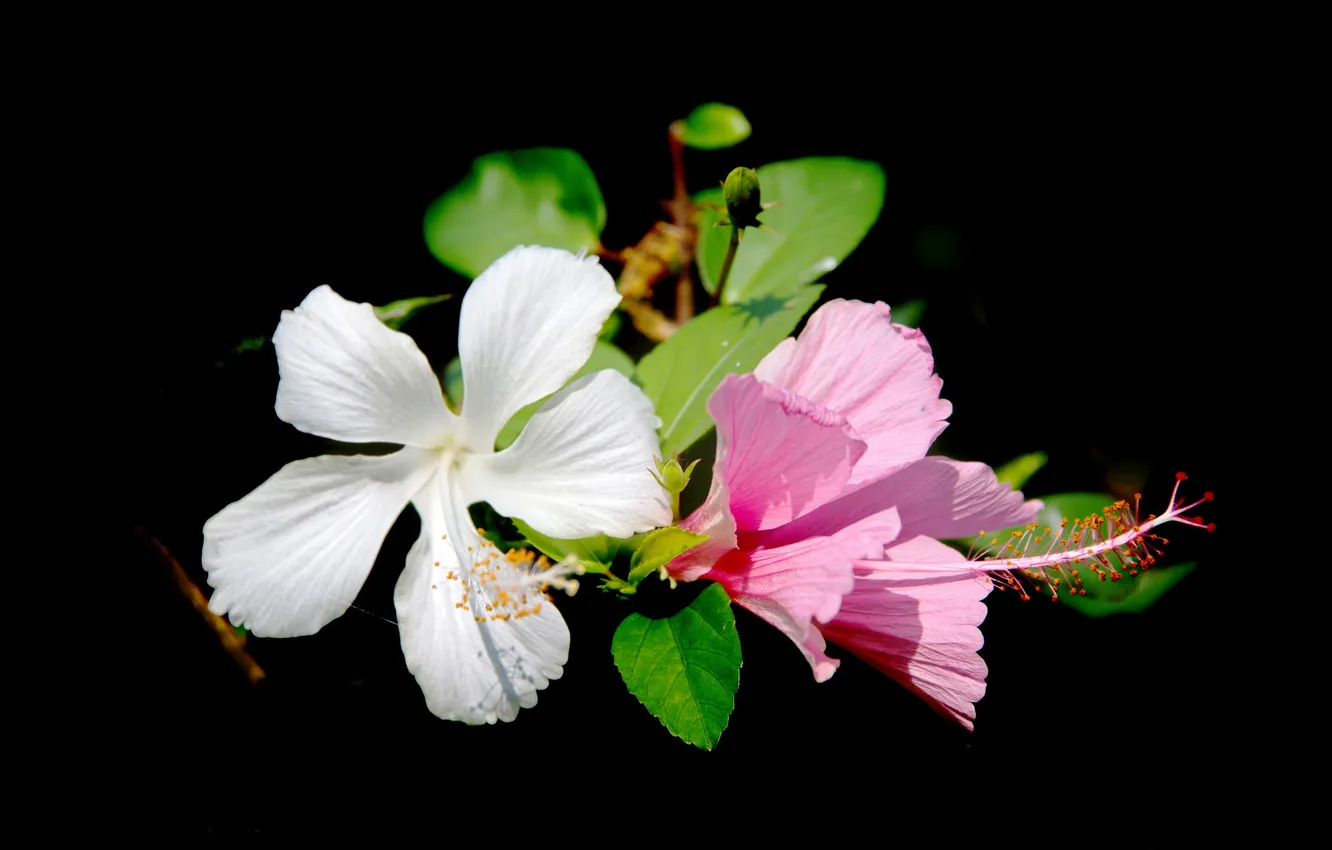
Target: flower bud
{"x":672,"y":477}
{"x":741,"y":191}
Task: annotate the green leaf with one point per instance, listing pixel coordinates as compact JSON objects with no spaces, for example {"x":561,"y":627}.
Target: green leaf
{"x":1016,"y":472}
{"x":1130,"y":594}
{"x":680,"y":373}
{"x":827,"y":207}
{"x":395,"y":314}
{"x":453,"y":383}
{"x":715,"y":125}
{"x":658,"y":548}
{"x":604,"y":356}
{"x":542,"y":196}
{"x":685,"y":668}
{"x":596,"y":554}
{"x":611,"y":327}
{"x":250,"y":343}
{"x":909,"y":313}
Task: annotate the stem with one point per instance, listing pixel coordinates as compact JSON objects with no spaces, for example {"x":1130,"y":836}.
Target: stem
{"x":681,"y":208}
{"x":731,"y":248}
{"x":684,"y":297}
{"x":680,"y":203}
{"x":675,"y":506}
{"x":656,"y":255}
{"x":233,"y":643}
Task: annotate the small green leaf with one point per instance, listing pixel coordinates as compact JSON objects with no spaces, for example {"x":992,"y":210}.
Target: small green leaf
{"x":605,"y":355}
{"x":715,"y":125}
{"x":658,"y":548}
{"x":685,"y":668}
{"x":827,"y":207}
{"x":1017,"y":471}
{"x":542,"y":196}
{"x":596,"y":554}
{"x":395,"y":314}
{"x":680,"y":373}
{"x":909,"y":313}
{"x":250,"y":343}
{"x":1130,"y":594}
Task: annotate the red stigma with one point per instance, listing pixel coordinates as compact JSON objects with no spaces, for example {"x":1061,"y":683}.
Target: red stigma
{"x":1209,"y":495}
{"x":1179,"y":476}
{"x":1211,"y":526}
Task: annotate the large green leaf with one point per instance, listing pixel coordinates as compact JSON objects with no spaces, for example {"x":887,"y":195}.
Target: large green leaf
{"x":715,"y":125}
{"x":605,"y":355}
{"x":542,"y":196}
{"x":827,"y":207}
{"x":1130,"y":594}
{"x":685,"y":668}
{"x":680,"y":373}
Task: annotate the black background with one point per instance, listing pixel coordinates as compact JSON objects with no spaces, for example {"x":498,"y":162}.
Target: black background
{"x":1081,"y":317}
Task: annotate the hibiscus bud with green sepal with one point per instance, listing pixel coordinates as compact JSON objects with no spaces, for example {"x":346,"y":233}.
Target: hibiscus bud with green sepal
{"x":741,"y":192}
{"x":673,"y":478}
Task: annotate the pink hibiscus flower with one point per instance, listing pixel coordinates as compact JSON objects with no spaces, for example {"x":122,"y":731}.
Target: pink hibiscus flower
{"x":825,"y":515}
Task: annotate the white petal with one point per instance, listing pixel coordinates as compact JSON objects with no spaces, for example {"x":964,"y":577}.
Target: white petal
{"x":583,"y":465}
{"x":528,"y":324}
{"x":347,"y":376}
{"x":476,"y":672}
{"x":290,"y":557}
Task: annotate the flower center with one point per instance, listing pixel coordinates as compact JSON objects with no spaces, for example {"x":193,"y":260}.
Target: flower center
{"x":512,"y":585}
{"x":495,"y":586}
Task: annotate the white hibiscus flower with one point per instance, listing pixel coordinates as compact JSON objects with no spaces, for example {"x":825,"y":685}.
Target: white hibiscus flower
{"x":477,"y":630}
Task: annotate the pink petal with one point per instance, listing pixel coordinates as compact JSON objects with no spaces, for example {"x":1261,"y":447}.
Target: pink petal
{"x":921,"y":627}
{"x":851,"y":358}
{"x":778,"y":454}
{"x":935,"y":496}
{"x":712,"y":518}
{"x":944,"y":498}
{"x":796,"y":584}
